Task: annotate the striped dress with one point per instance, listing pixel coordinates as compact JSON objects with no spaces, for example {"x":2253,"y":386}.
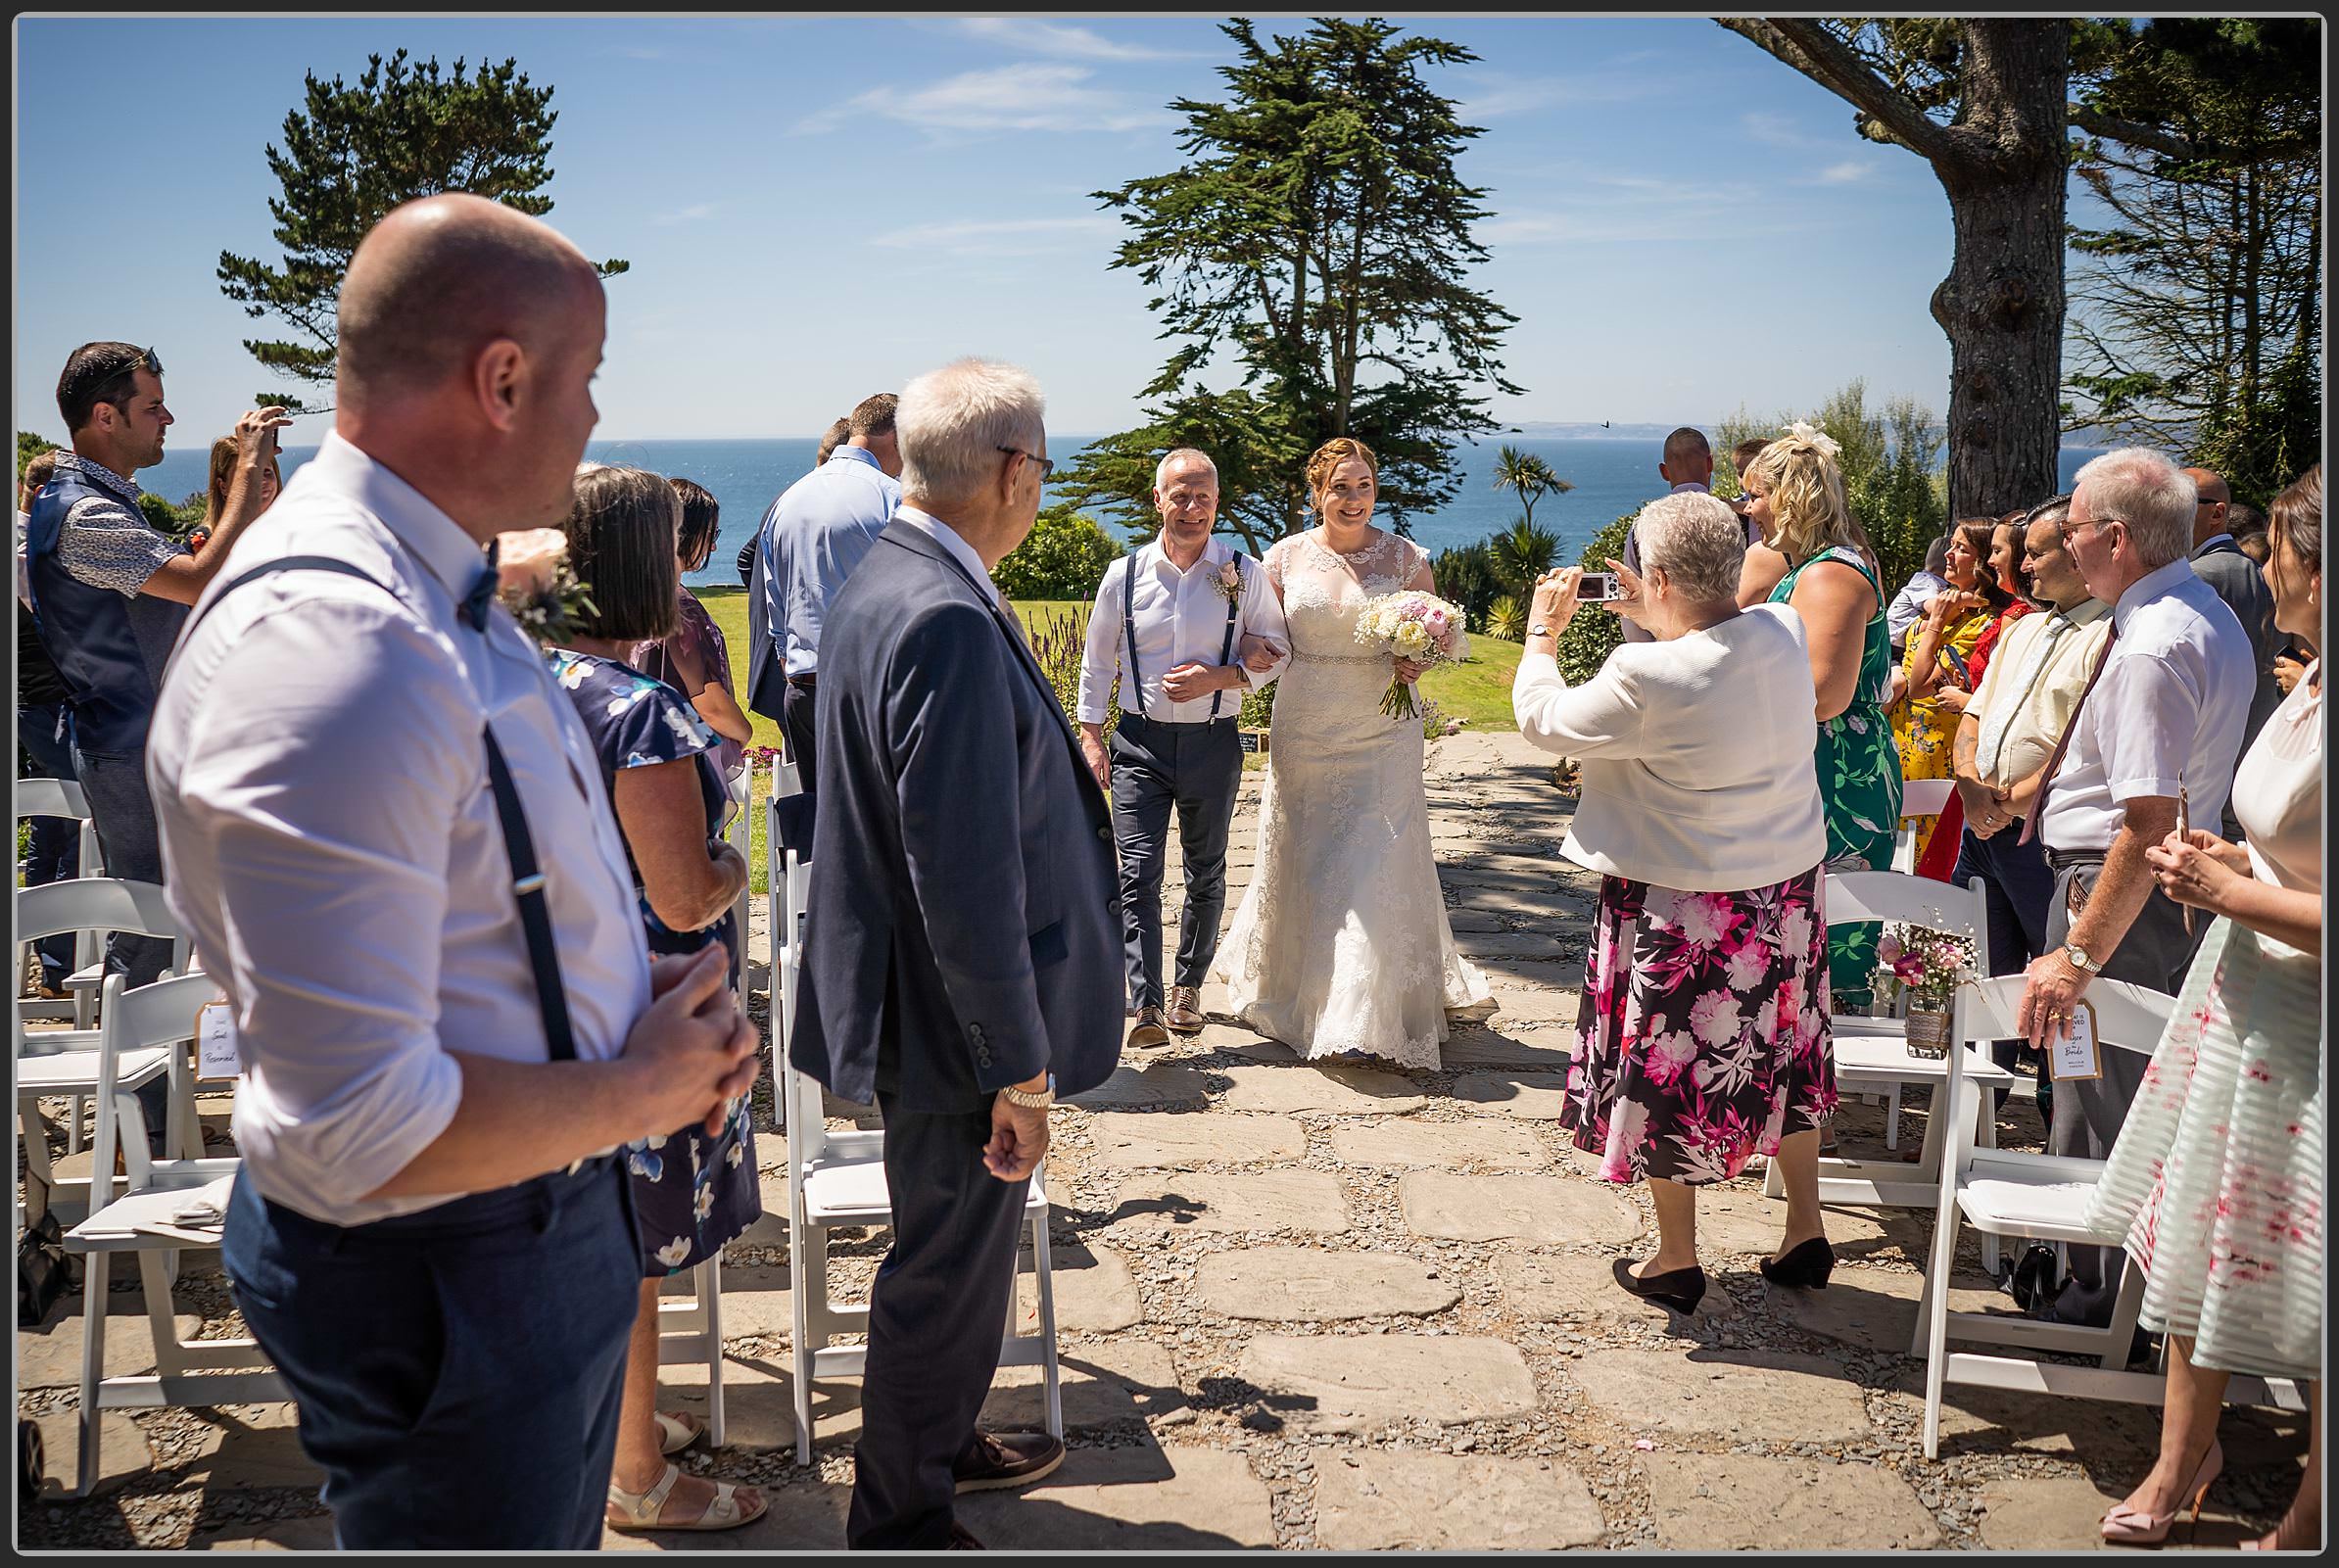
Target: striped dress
{"x":2218,"y":1175}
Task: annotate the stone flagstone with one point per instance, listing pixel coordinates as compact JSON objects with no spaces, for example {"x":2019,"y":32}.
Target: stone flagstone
{"x":1529,"y":1096}
{"x":1492,"y":1047}
{"x":1357,"y":1382}
{"x":1374,"y":1501}
{"x":1543,"y":1210}
{"x":1320,"y":1090}
{"x":2045,"y":1513}
{"x":1142,"y":1498}
{"x":1282,"y":1200}
{"x":245,"y":1445}
{"x":1702,"y":1500}
{"x":1158,"y":1086}
{"x":1309,"y":1285}
{"x":1760,"y":1395}
{"x":122,"y":1454}
{"x":1481,"y":1141}
{"x":1546,"y":1287}
{"x":1136,"y":1142}
{"x":1094,"y":1294}
{"x":1534,"y":1004}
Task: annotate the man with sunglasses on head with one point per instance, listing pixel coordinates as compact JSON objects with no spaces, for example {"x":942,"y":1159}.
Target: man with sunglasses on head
{"x":110,"y":593}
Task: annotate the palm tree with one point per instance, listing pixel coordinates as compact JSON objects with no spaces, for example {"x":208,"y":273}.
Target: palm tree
{"x":1523,"y":552}
{"x":1528,"y":475}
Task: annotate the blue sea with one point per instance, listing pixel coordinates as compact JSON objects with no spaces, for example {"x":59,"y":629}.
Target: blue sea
{"x":1612,"y":476}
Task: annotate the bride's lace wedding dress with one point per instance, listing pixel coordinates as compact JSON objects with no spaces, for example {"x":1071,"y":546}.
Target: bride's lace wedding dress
{"x":1342,"y":944}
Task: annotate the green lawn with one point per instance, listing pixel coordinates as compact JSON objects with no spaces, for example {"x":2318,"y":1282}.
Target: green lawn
{"x":1479,"y":691}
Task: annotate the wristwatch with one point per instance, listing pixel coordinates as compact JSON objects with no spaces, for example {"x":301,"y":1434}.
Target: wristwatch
{"x":1029,"y":1100}
{"x":1539,"y":629}
{"x":2078,"y":957}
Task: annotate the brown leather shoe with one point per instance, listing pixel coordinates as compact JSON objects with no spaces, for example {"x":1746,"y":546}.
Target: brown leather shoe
{"x":1148,"y":1033}
{"x":998,"y":1459}
{"x":1185,"y":1009}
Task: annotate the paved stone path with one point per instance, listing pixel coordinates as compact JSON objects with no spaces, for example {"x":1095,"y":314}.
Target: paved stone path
{"x":1347,"y":1309}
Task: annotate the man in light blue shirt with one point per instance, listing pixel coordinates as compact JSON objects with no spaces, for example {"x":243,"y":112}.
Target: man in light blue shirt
{"x":813,"y":537}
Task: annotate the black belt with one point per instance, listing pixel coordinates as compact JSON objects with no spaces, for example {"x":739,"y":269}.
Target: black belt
{"x":2064,"y":859}
{"x":804,"y":682}
{"x":1127,"y":717}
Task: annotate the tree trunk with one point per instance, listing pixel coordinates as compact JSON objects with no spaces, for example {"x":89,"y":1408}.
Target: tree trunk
{"x":2002,"y":302}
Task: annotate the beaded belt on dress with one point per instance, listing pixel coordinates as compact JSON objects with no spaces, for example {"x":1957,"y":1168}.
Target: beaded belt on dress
{"x":1341,"y":658}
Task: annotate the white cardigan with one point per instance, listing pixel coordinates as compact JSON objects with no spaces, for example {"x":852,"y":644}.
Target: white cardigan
{"x":1697,"y":753}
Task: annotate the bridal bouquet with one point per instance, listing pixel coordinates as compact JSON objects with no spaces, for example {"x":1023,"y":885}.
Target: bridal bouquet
{"x":536,"y":583}
{"x":1419,"y":627}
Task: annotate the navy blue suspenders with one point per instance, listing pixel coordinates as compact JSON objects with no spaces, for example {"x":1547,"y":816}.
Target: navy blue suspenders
{"x":520,"y":847}
{"x":1128,"y":632}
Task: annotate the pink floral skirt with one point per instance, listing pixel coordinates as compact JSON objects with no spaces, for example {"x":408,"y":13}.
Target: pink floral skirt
{"x":1703,"y":1037}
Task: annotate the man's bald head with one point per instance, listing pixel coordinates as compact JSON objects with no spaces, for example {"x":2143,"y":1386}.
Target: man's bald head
{"x":2211,"y":501}
{"x":439,"y":280}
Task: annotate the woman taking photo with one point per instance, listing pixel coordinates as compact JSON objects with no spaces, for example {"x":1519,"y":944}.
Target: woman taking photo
{"x":1704,"y":1036}
{"x":1795,"y":495}
{"x":2217,"y":1175}
{"x":691,"y":1192}
{"x":1936,"y":672}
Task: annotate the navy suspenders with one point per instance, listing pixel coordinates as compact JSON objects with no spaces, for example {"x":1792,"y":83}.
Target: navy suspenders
{"x":1128,"y":632}
{"x":520,"y":847}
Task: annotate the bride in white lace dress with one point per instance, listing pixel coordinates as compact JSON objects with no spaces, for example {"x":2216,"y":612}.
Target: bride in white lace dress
{"x":1342,"y":945}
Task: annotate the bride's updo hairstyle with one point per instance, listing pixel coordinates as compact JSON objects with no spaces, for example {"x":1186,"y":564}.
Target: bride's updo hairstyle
{"x":1805,"y":488}
{"x":1330,"y":456}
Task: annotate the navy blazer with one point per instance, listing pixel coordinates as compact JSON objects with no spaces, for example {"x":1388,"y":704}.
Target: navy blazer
{"x":963,"y":924}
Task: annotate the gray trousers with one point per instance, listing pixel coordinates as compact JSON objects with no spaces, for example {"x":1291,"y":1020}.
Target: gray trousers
{"x":1198,"y":767}
{"x":2155,"y":952}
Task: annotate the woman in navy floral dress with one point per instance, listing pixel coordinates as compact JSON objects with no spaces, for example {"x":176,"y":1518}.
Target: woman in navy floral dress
{"x":691,"y":1192}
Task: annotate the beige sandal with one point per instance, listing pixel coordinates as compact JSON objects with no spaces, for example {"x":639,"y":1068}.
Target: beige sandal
{"x":645,"y":1511}
{"x":677,"y":1430}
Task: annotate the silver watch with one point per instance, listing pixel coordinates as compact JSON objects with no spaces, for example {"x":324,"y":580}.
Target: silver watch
{"x":1539,"y":629}
{"x":2078,"y":956}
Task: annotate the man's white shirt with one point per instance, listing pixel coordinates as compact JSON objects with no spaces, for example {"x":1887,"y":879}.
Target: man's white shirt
{"x":1180,"y":618}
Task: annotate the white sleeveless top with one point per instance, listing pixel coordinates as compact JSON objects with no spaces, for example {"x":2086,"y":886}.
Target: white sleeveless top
{"x":2277,"y":790}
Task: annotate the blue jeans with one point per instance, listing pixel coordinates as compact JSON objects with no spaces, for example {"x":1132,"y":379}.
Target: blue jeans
{"x":457,"y":1370}
{"x":46,"y":734}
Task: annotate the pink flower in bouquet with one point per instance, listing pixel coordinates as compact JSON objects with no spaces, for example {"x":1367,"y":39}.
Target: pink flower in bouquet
{"x":1435,"y":620}
{"x":1887,"y":949}
{"x":527,"y":558}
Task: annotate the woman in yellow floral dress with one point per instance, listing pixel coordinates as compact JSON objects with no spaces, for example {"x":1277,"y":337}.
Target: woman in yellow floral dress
{"x":1934,"y":669}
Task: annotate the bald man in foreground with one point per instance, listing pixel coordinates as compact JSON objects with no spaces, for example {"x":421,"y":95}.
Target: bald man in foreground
{"x":386,"y":828}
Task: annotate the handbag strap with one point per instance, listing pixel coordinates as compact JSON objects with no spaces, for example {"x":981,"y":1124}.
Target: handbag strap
{"x":519,"y":847}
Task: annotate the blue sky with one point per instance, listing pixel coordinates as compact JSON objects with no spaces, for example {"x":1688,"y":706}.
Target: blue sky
{"x":819,"y":207}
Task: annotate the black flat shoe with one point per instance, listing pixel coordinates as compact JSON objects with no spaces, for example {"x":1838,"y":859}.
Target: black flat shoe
{"x":1808,"y":1265}
{"x":1680,"y":1289}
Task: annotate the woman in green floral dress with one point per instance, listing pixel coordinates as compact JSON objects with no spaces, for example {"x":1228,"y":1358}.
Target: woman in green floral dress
{"x":1796,"y":494}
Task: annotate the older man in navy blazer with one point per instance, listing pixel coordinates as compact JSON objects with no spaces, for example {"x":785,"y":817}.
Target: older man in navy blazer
{"x":963,"y":938}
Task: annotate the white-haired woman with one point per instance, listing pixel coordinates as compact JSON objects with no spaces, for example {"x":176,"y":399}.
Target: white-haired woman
{"x":1703,"y":1034}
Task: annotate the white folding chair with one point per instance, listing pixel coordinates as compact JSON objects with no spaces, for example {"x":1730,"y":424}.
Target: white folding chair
{"x":838,"y":1179}
{"x":690,"y":1329}
{"x":161,"y":1017}
{"x":63,"y":1063}
{"x":2040,"y":1197}
{"x":1918,"y":798}
{"x":62,"y":797}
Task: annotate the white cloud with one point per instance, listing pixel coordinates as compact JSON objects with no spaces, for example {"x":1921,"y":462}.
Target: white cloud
{"x":695,"y":213}
{"x":1779,"y":131}
{"x":1024,"y":97}
{"x":1851,"y":171}
{"x":1034,"y":36}
{"x":1491,"y":95}
{"x":1029,"y":236}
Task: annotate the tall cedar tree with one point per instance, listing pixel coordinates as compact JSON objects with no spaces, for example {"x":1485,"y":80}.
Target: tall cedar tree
{"x":1319,"y":237}
{"x":2196,"y":318}
{"x":351,"y":153}
{"x":1989,"y":102}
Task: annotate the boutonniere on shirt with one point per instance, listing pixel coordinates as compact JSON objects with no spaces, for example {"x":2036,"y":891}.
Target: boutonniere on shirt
{"x":1227,"y":584}
{"x":536,"y":583}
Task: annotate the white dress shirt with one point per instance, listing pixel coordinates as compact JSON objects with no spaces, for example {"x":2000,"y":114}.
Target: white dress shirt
{"x":2031,"y":686}
{"x":1696,"y":755}
{"x":957,"y":548}
{"x":332,"y":844}
{"x":2170,"y":709}
{"x":1180,"y":619}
